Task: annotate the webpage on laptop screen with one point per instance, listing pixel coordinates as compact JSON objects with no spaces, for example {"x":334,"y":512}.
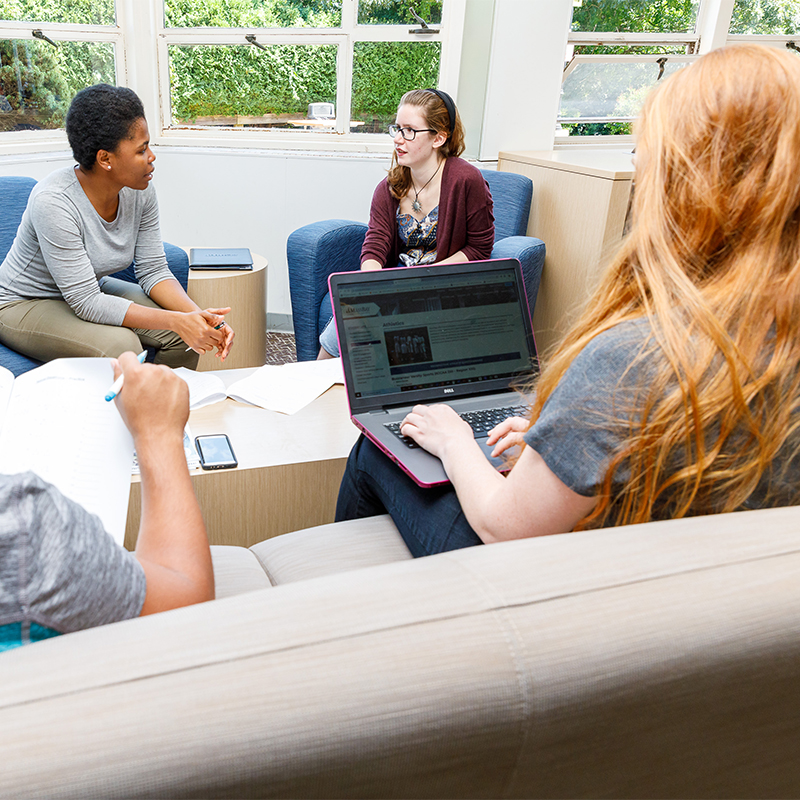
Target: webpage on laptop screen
{"x":433,"y":331}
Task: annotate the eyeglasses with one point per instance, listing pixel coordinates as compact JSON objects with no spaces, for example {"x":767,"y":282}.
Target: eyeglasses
{"x":409,"y":134}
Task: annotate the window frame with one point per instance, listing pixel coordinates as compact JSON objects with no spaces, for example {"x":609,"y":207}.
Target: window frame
{"x":56,"y":139}
{"x":692,"y":41}
{"x":141,"y":43}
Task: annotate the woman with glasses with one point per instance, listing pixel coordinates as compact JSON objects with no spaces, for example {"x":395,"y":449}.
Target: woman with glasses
{"x":433,"y":207}
{"x":677,"y":392}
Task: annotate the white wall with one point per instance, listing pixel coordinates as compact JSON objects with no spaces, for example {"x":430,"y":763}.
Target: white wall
{"x":245,"y":198}
{"x":255,"y":199}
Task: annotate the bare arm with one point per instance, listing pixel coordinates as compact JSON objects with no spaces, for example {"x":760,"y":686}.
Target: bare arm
{"x":370,"y":264}
{"x":531,"y":501}
{"x":172,"y":546}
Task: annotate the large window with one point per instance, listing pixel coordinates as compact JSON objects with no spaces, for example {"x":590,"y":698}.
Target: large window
{"x":50,"y":49}
{"x":619,"y":49}
{"x":297,"y":66}
{"x":287,"y":71}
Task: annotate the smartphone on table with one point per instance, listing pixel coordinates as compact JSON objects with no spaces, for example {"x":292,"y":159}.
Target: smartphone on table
{"x":215,"y":451}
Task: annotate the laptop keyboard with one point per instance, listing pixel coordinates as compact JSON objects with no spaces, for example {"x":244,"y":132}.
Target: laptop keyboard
{"x":481,"y":422}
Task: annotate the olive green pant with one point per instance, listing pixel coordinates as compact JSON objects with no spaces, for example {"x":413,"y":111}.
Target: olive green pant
{"x":48,"y":329}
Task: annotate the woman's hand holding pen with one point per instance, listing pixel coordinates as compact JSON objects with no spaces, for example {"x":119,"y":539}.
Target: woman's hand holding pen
{"x":204,"y":330}
{"x":224,"y":328}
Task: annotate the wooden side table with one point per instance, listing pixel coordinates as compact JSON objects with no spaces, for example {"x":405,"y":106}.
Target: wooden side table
{"x":580,"y":201}
{"x":245,"y":291}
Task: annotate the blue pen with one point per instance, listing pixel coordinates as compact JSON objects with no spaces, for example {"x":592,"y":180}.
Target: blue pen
{"x":117,"y":385}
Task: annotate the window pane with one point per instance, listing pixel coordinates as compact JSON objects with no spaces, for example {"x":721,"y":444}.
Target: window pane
{"x":249,"y":87}
{"x":80,"y":12}
{"x":640,"y":16}
{"x":768,"y":16}
{"x":383,"y":72}
{"x":608,"y":95}
{"x":38,"y":81}
{"x":253,"y":13}
{"x":392,"y":12}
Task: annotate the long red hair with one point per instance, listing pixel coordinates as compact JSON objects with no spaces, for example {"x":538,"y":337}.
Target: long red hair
{"x":712,"y":263}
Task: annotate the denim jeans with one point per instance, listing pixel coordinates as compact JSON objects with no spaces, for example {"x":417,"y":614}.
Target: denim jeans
{"x":328,"y":339}
{"x":429,"y":520}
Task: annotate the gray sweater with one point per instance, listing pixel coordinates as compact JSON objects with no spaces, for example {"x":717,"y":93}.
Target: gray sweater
{"x":64,"y":247}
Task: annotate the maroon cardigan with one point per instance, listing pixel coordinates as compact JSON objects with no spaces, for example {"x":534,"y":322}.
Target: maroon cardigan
{"x":466,"y":221}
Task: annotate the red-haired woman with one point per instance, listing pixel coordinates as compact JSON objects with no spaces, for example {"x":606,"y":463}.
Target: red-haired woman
{"x":677,"y":392}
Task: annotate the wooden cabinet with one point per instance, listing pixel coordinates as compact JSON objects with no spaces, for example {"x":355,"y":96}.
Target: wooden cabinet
{"x":580,"y":202}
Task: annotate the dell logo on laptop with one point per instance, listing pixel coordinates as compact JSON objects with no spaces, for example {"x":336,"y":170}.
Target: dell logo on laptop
{"x":449,"y":391}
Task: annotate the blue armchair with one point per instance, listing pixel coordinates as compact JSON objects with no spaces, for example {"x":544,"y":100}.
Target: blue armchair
{"x":14,"y":193}
{"x":316,"y":251}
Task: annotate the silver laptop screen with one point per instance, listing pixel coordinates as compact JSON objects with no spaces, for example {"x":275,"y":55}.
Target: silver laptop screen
{"x":412,"y":333}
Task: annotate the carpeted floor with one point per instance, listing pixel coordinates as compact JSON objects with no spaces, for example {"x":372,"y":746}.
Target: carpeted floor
{"x":280,"y":348}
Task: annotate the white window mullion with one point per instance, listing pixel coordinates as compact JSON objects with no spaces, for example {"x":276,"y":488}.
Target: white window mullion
{"x":453,"y":16}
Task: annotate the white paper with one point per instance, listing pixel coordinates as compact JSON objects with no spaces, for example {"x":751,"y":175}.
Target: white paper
{"x":327,"y":367}
{"x":204,"y":388}
{"x":281,"y":389}
{"x":59,"y":425}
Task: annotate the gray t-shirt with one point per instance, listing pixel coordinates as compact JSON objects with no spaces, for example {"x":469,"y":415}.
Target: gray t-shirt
{"x":59,"y":570}
{"x":64,"y":247}
{"x":587,"y":419}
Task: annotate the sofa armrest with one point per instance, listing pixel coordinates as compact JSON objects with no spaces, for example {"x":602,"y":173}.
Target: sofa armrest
{"x":530,"y":253}
{"x":314,"y":252}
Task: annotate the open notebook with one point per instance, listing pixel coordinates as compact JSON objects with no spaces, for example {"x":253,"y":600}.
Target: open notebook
{"x":55,"y":421}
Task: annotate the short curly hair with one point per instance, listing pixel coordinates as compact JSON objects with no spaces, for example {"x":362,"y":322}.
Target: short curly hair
{"x":99,"y":118}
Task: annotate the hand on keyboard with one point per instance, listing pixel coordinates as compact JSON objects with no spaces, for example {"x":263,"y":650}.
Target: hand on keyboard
{"x":483,"y":423}
{"x":507,"y":434}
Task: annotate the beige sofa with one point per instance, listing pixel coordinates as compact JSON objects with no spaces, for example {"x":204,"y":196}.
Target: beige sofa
{"x":651,"y":661}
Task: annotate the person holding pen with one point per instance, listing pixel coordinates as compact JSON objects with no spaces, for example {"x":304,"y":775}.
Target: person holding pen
{"x":81,"y":225}
{"x":75,"y":576}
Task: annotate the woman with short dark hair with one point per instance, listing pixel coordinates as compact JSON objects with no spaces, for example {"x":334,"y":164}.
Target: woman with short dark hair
{"x":81,"y":225}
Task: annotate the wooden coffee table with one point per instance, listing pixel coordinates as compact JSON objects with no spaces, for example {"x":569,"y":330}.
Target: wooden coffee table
{"x":290,"y":467}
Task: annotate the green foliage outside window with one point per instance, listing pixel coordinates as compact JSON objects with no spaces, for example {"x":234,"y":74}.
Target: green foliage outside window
{"x":253,"y":13}
{"x":38,"y":81}
{"x":398,"y":12}
{"x":652,"y":16}
{"x":780,"y":17}
{"x":79,"y":12}
{"x":209,"y":81}
{"x":383,"y":72}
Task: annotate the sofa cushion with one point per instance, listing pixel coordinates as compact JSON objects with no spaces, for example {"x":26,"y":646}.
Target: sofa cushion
{"x":328,"y":549}
{"x":236,"y":571}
